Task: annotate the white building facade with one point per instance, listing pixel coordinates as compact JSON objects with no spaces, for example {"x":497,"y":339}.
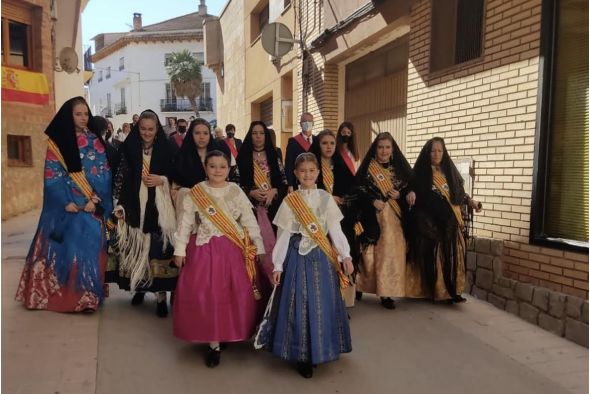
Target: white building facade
{"x":130,"y":71}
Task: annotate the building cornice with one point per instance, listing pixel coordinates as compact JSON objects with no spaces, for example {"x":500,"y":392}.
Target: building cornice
{"x":146,"y":37}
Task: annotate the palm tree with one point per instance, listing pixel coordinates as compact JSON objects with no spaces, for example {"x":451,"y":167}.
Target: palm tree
{"x":185,"y":76}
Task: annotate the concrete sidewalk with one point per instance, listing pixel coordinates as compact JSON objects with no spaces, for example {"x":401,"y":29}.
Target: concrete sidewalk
{"x":418,"y":348}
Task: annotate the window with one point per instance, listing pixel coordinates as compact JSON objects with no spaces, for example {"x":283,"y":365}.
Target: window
{"x":100,"y":76}
{"x":123,"y":97}
{"x":17,"y":35}
{"x":258,"y":19}
{"x":121,"y":63}
{"x":200,"y":57}
{"x":108,"y":74}
{"x":559,"y":212}
{"x":205,"y":100}
{"x":19,"y":150}
{"x":167,"y":58}
{"x":456,"y":32}
{"x":108,"y":112}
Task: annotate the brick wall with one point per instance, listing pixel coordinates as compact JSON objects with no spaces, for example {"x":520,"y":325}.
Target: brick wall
{"x":23,"y":186}
{"x":486,"y":110}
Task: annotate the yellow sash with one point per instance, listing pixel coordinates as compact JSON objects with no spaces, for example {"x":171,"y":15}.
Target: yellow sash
{"x":440,"y":181}
{"x":145,"y":169}
{"x":260,"y":179}
{"x":382,"y":179}
{"x":227,"y":226}
{"x":314,"y":230}
{"x":328,"y":177}
{"x":79,"y":177}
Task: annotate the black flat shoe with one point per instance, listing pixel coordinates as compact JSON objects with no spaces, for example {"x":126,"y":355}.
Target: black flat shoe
{"x":459,"y":299}
{"x":387,"y":303}
{"x":213,"y":358}
{"x":137,"y":298}
{"x":305,"y":370}
{"x":358,"y":295}
{"x":162,"y":309}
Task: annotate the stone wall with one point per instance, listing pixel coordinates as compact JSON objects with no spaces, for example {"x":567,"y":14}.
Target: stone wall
{"x":562,"y":314}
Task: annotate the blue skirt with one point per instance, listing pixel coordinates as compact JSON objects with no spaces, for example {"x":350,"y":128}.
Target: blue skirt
{"x":310,"y":319}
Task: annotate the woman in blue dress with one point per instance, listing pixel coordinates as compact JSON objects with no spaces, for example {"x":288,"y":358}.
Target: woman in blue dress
{"x":64,"y":270}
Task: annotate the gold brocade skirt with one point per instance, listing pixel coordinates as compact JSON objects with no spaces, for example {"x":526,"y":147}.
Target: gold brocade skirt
{"x":415,"y":288}
{"x":383,"y":266}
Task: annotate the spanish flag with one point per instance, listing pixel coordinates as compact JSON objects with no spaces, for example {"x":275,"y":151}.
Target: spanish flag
{"x":24,"y":86}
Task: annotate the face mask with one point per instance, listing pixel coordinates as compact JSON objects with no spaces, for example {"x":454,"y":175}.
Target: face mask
{"x":182,"y":129}
{"x":306,"y":126}
{"x":230,"y":134}
{"x":345,"y":138}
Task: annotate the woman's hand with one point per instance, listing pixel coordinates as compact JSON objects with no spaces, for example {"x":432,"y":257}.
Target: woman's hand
{"x":339,"y":200}
{"x":348,"y":267}
{"x":90,"y":207}
{"x":258,"y":195}
{"x":179,"y":261}
{"x":476,"y":205}
{"x":119,"y":214}
{"x":411,"y":199}
{"x":152,"y":180}
{"x":276,"y":278}
{"x":270,"y":195}
{"x":379,"y":205}
{"x":393,"y":194}
{"x":95,"y":199}
{"x":72,"y":208}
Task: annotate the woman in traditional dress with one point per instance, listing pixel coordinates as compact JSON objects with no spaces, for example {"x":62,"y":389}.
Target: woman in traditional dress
{"x":262,"y":178}
{"x":146,"y":217}
{"x":308,"y":323}
{"x":64,"y":270}
{"x":383,"y":184}
{"x":438,"y":248}
{"x":216,"y":299}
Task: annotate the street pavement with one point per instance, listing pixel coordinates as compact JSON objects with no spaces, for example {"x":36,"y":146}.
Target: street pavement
{"x":418,"y":348}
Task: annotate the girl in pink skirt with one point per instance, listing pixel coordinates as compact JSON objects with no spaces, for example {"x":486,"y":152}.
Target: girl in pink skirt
{"x":216,"y":245}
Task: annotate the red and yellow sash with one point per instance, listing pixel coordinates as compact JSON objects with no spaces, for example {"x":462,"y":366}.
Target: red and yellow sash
{"x":328,"y":177}
{"x":348,"y":161}
{"x":382,"y":178}
{"x":302,"y":141}
{"x":260,"y":179}
{"x":314,"y":230}
{"x":232,"y":148}
{"x":79,"y":177}
{"x":227,"y":226}
{"x":145,"y":169}
{"x":439,"y":180}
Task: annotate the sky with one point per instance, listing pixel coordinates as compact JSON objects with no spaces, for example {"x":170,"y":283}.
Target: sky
{"x":113,"y":16}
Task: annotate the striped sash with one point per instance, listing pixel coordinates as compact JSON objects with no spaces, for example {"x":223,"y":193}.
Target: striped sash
{"x":328,"y":177}
{"x":440,"y":182}
{"x":207,"y":207}
{"x":260,"y":179}
{"x":145,"y":169}
{"x":79,"y":177}
{"x":312,"y":227}
{"x":382,"y":178}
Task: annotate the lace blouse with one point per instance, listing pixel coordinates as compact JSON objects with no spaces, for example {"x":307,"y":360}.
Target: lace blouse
{"x":325,"y":209}
{"x":232,"y":200}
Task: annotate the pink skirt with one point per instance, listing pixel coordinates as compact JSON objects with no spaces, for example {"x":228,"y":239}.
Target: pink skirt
{"x":214,"y":301}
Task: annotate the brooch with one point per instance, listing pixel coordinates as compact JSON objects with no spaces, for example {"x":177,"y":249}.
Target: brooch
{"x":380,"y":177}
{"x":264,"y":186}
{"x":313,"y":228}
{"x":211,"y":210}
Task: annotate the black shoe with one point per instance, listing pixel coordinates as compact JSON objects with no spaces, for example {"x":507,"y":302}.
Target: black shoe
{"x":161,"y":309}
{"x":387,"y":303}
{"x":213,"y":358}
{"x":358,"y":295}
{"x":223,"y":345}
{"x":459,"y":299}
{"x":137,"y":298}
{"x":305,"y":370}
{"x":88,"y":311}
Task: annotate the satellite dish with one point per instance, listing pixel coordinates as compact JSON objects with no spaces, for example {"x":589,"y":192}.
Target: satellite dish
{"x":277,"y":39}
{"x":68,"y":60}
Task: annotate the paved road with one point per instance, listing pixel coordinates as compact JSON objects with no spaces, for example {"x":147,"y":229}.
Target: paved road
{"x":418,"y":348}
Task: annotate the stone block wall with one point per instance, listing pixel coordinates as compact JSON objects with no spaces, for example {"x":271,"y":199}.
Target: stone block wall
{"x":565,"y":315}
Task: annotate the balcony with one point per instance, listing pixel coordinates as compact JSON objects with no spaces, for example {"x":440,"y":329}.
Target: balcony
{"x":184,"y":105}
{"x":120,"y":109}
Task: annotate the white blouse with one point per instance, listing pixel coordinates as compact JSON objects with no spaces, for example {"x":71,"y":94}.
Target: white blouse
{"x":324,"y":207}
{"x":232,"y":200}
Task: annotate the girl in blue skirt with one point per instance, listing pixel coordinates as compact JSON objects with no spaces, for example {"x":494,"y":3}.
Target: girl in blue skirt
{"x":308,"y":322}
